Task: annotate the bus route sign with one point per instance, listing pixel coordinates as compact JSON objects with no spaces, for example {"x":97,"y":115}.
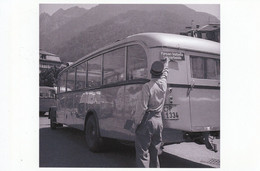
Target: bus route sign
{"x":172,"y":55}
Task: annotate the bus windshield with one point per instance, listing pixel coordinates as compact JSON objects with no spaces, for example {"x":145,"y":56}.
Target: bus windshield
{"x":47,"y":92}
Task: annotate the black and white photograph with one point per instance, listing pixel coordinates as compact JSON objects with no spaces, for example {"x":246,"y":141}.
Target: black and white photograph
{"x":129,"y":85}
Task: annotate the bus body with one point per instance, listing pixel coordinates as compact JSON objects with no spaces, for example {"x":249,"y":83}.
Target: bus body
{"x":47,"y":98}
{"x":106,"y":84}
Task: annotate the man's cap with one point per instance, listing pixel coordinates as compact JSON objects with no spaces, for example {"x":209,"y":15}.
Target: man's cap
{"x":157,"y":68}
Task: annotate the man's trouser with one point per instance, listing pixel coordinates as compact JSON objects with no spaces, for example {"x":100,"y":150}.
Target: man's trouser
{"x":148,"y":141}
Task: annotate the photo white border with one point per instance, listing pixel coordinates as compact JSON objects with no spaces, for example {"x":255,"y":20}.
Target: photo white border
{"x":240,"y":71}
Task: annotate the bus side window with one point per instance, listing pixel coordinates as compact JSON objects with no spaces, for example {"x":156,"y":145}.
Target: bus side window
{"x":137,"y":62}
{"x":81,"y":76}
{"x":71,"y":80}
{"x":114,"y":66}
{"x":218,"y":69}
{"x":62,"y":82}
{"x":197,"y":65}
{"x":94,"y":72}
{"x":205,"y":68}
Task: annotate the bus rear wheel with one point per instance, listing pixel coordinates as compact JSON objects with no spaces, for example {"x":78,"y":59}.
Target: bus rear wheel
{"x":92,"y":136}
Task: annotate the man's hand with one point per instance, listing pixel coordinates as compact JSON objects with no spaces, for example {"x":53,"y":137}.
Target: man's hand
{"x":166,"y":62}
{"x":166,"y":59}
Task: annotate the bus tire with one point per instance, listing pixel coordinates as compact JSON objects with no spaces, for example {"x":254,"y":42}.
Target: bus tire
{"x":53,"y":124}
{"x":52,"y":117}
{"x":92,"y":136}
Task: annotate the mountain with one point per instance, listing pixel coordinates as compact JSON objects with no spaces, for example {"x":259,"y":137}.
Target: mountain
{"x":49,"y":24}
{"x":104,"y":24}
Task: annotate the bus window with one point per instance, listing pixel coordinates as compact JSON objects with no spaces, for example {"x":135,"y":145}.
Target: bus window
{"x":94,"y":72}
{"x":218,"y":68}
{"x":62,"y":82}
{"x":211,"y":69}
{"x":114,"y":66}
{"x":51,"y":93}
{"x":205,"y":68}
{"x":81,"y":76}
{"x":71,"y":80}
{"x":137,"y":62}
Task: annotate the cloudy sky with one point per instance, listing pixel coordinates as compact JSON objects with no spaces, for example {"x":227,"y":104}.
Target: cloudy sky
{"x":213,"y":9}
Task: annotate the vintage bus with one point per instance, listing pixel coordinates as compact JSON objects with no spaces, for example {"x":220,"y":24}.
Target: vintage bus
{"x":47,"y":99}
{"x":98,"y":93}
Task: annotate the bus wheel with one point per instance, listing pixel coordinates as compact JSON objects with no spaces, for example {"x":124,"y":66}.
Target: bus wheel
{"x":52,"y":124}
{"x":93,"y":139}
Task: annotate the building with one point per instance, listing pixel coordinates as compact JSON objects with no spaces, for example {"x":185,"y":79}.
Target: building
{"x":209,"y":32}
{"x":48,"y":60}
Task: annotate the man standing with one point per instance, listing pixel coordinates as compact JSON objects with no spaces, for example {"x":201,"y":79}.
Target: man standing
{"x":148,"y":116}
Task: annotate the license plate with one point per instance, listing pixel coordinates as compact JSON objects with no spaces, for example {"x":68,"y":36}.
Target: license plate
{"x":170,"y":112}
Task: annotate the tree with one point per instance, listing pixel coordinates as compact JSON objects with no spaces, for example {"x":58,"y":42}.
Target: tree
{"x":49,"y":76}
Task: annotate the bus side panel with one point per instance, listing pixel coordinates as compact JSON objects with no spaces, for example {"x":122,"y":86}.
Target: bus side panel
{"x":61,"y":108}
{"x":69,"y":119}
{"x":205,"y":109}
{"x":132,"y":93}
{"x":112,"y":116}
{"x":79,"y":110}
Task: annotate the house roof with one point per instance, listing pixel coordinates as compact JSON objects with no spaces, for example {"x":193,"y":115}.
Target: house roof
{"x":209,"y":27}
{"x":49,"y":56}
{"x":53,"y":58}
{"x":46,"y":53}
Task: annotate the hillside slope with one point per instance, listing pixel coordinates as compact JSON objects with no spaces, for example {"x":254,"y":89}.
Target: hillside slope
{"x":104,"y":24}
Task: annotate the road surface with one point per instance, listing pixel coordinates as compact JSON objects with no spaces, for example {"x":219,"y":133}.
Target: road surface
{"x":66,"y":147}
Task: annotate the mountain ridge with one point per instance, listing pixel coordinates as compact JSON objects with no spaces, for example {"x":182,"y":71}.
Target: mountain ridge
{"x":98,"y":27}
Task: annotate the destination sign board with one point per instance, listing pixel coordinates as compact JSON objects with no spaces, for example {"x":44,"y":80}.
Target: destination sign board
{"x":172,"y":55}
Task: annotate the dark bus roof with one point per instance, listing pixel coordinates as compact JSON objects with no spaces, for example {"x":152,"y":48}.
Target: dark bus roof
{"x":163,"y":40}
